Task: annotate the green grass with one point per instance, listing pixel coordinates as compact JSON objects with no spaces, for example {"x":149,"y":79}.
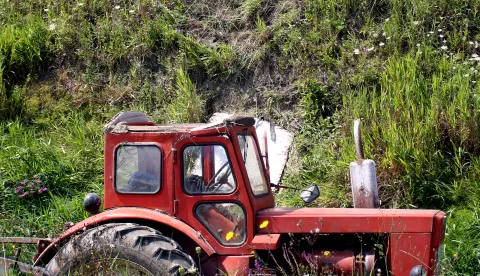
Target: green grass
{"x":67,"y":161}
{"x":408,"y":68}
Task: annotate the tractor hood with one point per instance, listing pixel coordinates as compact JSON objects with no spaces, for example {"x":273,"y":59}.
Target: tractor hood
{"x":344,"y":220}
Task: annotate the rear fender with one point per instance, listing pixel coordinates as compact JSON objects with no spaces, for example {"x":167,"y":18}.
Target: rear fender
{"x":125,"y":214}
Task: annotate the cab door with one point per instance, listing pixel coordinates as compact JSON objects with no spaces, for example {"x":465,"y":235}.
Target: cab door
{"x":210,"y":193}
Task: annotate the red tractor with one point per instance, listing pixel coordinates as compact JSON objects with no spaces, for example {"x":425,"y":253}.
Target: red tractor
{"x":195,"y":199}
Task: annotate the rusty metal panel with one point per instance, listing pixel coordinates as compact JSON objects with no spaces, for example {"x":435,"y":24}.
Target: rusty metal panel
{"x":6,"y":263}
{"x":364,"y":184}
{"x":343,"y":220}
{"x":235,"y":265}
{"x":266,"y":242}
{"x":363,"y":175}
{"x":406,"y":250}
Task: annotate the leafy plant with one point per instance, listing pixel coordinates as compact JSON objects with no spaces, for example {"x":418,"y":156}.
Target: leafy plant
{"x":187,"y":106}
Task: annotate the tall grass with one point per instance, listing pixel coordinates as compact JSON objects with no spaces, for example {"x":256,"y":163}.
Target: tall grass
{"x":22,"y":48}
{"x":67,"y":159}
{"x":188,"y":106}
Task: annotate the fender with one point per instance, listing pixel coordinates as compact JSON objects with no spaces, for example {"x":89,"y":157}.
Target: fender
{"x":126,"y":213}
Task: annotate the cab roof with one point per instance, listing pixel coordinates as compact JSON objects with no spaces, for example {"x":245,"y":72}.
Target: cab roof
{"x":136,"y":121}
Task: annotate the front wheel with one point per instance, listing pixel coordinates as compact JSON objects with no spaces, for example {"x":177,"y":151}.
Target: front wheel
{"x":121,"y":249}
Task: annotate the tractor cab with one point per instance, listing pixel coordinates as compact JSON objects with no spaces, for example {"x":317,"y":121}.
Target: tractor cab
{"x":210,"y":176}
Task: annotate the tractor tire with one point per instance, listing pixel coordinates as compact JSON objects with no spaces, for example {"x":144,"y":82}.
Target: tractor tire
{"x":121,"y":249}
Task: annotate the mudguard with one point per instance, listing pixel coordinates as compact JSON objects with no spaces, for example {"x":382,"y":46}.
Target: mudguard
{"x":125,"y":213}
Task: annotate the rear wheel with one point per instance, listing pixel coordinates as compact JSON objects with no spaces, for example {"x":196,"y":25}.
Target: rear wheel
{"x":121,"y":249}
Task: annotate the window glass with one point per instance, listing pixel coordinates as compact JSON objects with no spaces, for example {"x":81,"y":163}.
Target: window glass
{"x":226,"y":221}
{"x":137,"y":169}
{"x":253,"y":164}
{"x":207,"y":170}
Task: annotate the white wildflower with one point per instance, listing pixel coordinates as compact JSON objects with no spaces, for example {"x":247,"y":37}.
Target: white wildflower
{"x":387,"y":19}
{"x":431,"y":32}
{"x":131,"y":11}
{"x":444,"y":47}
{"x":470,"y":42}
{"x":370,"y":49}
{"x":45,"y":10}
{"x":454,"y":67}
{"x":80,"y":4}
{"x":444,"y":41}
{"x":416,"y":22}
{"x":471,"y":69}
{"x":474,"y":81}
{"x":356,"y":52}
{"x":466,"y":75}
{"x":440,"y":30}
{"x":384,"y":34}
{"x":388,"y":38}
{"x":381,"y":44}
{"x":117,"y":7}
{"x":474,"y":55}
{"x":52,"y":27}
{"x":418,"y":44}
{"x":441,"y":36}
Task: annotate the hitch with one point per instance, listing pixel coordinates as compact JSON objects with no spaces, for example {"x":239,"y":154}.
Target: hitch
{"x":7,"y":263}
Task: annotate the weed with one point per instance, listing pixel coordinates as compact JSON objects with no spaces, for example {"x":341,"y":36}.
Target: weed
{"x":250,"y":8}
{"x":188,"y":106}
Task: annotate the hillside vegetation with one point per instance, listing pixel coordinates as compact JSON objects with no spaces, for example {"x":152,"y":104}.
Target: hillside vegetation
{"x":409,"y":69}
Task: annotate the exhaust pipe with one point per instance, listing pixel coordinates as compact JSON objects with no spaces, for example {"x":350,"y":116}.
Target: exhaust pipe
{"x":363,"y":176}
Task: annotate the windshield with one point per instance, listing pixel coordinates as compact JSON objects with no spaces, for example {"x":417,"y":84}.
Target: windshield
{"x":253,"y":164}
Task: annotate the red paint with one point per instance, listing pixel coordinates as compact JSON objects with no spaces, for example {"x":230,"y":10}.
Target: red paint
{"x":187,"y":203}
{"x":343,"y":220}
{"x":234,"y":265}
{"x":266,"y":242}
{"x":114,"y":199}
{"x":407,"y":250}
{"x":209,"y":167}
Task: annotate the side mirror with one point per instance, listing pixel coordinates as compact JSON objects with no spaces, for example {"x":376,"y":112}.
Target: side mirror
{"x":310,"y":194}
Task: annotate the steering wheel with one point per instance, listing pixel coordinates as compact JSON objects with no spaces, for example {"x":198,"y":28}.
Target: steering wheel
{"x":214,"y":186}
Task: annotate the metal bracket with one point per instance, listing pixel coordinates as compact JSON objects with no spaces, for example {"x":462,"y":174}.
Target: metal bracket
{"x":6,"y":263}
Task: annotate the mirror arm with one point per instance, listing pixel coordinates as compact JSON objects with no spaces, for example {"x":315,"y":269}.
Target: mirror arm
{"x":285,"y":187}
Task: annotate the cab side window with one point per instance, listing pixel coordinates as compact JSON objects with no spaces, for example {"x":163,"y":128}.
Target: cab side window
{"x":207,"y":170}
{"x":137,"y":169}
{"x":226,"y":221}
